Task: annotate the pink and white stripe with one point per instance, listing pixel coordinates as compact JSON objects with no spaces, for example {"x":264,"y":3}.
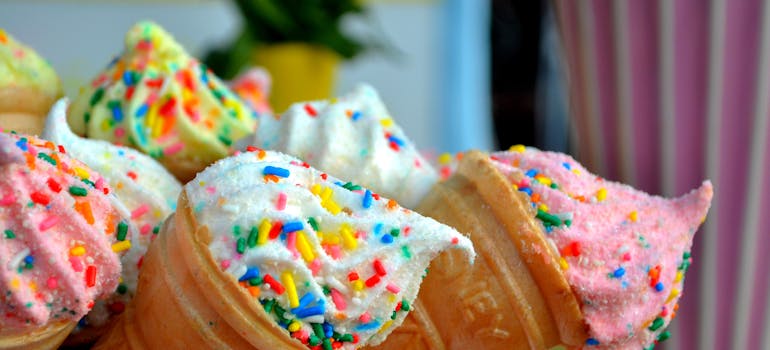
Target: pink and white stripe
{"x":665,"y":94}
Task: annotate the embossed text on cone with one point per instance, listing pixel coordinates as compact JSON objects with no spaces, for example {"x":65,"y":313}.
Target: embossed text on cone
{"x":515,"y":295}
{"x":184,"y":301}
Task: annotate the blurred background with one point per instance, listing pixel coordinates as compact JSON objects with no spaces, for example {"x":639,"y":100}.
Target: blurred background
{"x":658,"y":94}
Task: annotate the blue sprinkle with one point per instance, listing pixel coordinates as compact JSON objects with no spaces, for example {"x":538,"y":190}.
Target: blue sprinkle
{"x":659,"y":286}
{"x":128,"y":78}
{"x":387,"y":238}
{"x":624,"y":284}
{"x":251,"y":272}
{"x":117,"y":113}
{"x":396,"y":140}
{"x":531,"y":172}
{"x":121,"y":152}
{"x":566,"y":166}
{"x":592,"y":341}
{"x":304,"y":301}
{"x":82,"y":322}
{"x":29,"y":259}
{"x":355,"y":115}
{"x":377,"y":228}
{"x":310,"y":311}
{"x":22,"y":144}
{"x":548,"y":229}
{"x":292,"y":226}
{"x":328,"y":329}
{"x":367,"y":199}
{"x":619,"y":272}
{"x":368,"y":326}
{"x":142,"y":110}
{"x":526,"y":190}
{"x":272,"y":170}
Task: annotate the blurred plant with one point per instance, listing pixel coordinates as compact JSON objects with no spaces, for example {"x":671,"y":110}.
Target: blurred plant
{"x":316,"y":22}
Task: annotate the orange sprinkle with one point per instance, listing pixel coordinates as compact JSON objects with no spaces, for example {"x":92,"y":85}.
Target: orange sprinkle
{"x":254,"y":291}
{"x":392,"y":204}
{"x":49,"y":145}
{"x":272,"y":178}
{"x":261,"y":154}
{"x":84,"y":209}
{"x":535,"y":198}
{"x":30,"y":161}
{"x":55,"y":157}
{"x":109,"y":225}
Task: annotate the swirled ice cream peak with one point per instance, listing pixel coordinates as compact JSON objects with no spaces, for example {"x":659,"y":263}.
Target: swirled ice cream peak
{"x":624,"y":252}
{"x":330,"y":260}
{"x":355,"y":138}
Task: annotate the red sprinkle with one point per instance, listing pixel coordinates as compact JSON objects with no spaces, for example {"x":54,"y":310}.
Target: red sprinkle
{"x":91,"y":275}
{"x":572,"y":249}
{"x":353,"y":276}
{"x":310,"y":110}
{"x":62,"y":150}
{"x":378,"y":268}
{"x":274,"y":285}
{"x":324,"y":176}
{"x":132,"y":175}
{"x":40,"y":198}
{"x":275,"y":230}
{"x":372,"y":281}
{"x":53,"y":185}
{"x":167,"y":109}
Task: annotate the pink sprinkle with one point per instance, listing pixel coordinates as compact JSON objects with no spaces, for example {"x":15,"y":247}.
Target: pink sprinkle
{"x":173,"y":149}
{"x":152,"y":98}
{"x":8,"y":199}
{"x":361,"y":234}
{"x":52,"y":282}
{"x":225,"y":264}
{"x":77,"y":265}
{"x":338,"y":300}
{"x":99,"y":183}
{"x":365,"y":317}
{"x":145,"y":229}
{"x":291,"y":243}
{"x":211,"y":189}
{"x":138,"y":212}
{"x":392,"y":288}
{"x":335,"y":251}
{"x":48,"y":222}
{"x":627,"y":257}
{"x":315,"y":266}
{"x":281,"y":204}
{"x":120,"y":132}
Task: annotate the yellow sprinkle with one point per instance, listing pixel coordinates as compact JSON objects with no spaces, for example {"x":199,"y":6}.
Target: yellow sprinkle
{"x":33,"y":286}
{"x":119,"y":185}
{"x":315,"y":189}
{"x":544,"y":180}
{"x":674,"y":294}
{"x":348,"y":238}
{"x":386,"y":122}
{"x":304,"y":248}
{"x":633,"y":216}
{"x":202,"y":183}
{"x":515,"y":187}
{"x":294,"y":326}
{"x":543,"y":207}
{"x":264,"y":231}
{"x":291,"y":289}
{"x":358,"y":285}
{"x":332,"y":207}
{"x":105,"y":125}
{"x":563,"y":263}
{"x":392,"y":298}
{"x":679,"y":276}
{"x":81,"y":173}
{"x":444,"y":158}
{"x":15,"y":283}
{"x":121,"y":246}
{"x":385,"y":326}
{"x":601,"y":194}
{"x":517,"y":148}
{"x":576,"y":171}
{"x":78,"y":250}
{"x":331,"y":238}
{"x":326,"y":193}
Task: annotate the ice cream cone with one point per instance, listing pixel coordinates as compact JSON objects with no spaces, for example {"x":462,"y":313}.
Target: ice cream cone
{"x":515,"y":296}
{"x":23,"y":109}
{"x":180,"y":277}
{"x":47,"y":337}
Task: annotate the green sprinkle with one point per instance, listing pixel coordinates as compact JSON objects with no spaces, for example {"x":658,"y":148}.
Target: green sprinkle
{"x":269,"y":305}
{"x":156,"y":229}
{"x":548,"y":219}
{"x":255,"y":281}
{"x":554,"y":186}
{"x":78,"y":191}
{"x":327,"y":290}
{"x":237,"y":230}
{"x":241,"y":245}
{"x":88,"y":182}
{"x":406,"y":252}
{"x":98,"y":94}
{"x":86,"y":117}
{"x":46,"y":158}
{"x":9,"y":234}
{"x":568,"y":223}
{"x":351,"y":186}
{"x":327,"y":344}
{"x":686,"y":255}
{"x":405,"y":305}
{"x":318,"y":330}
{"x":29,"y":304}
{"x":279,"y":312}
{"x":656,"y":324}
{"x":313,"y":340}
{"x":122,"y":231}
{"x":253,"y":233}
{"x":122,"y":288}
{"x":313,"y":223}
{"x":393,"y":315}
{"x":336,"y":335}
{"x":663,"y":336}
{"x":346,"y":338}
{"x":395,"y":232}
{"x":225,"y":140}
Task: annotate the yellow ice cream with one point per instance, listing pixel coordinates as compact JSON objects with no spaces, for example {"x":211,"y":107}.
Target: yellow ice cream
{"x":158,"y":99}
{"x":22,"y":67}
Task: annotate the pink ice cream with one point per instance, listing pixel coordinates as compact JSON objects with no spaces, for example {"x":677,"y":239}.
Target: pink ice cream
{"x":61,"y":234}
{"x":624,"y":252}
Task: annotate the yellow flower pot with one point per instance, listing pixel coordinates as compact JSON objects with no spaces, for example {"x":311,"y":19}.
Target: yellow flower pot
{"x":300,"y":72}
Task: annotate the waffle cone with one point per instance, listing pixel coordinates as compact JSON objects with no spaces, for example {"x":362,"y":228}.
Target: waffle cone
{"x":514,"y":296}
{"x":184,"y":301}
{"x":23,"y":109}
{"x":46,"y":337}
